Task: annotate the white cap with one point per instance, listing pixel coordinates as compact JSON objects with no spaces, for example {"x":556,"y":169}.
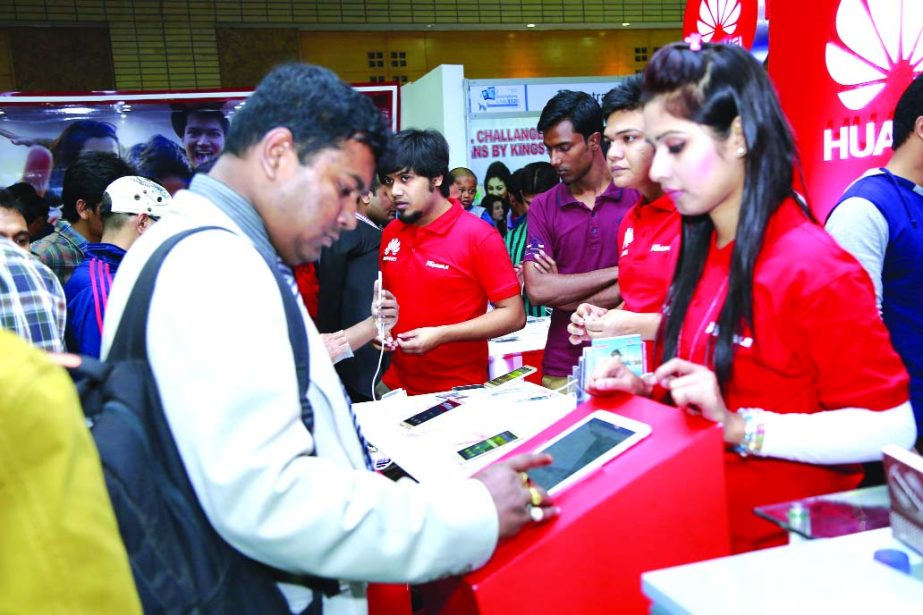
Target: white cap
{"x":136,"y":195}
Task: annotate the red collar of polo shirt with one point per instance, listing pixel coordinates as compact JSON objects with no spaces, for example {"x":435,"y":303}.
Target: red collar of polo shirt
{"x":563,"y":197}
{"x":661,"y":202}
{"x":444,"y":223}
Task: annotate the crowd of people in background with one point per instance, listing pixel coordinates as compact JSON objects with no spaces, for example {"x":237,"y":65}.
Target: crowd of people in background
{"x":667,"y":212}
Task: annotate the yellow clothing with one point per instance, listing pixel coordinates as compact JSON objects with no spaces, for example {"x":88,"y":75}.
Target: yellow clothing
{"x":61,"y":551}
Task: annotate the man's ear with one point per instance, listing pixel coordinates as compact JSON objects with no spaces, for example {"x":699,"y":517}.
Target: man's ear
{"x":83,"y":209}
{"x":593,"y":141}
{"x":918,"y":127}
{"x":437,"y":181}
{"x":142,"y":222}
{"x":276,"y":151}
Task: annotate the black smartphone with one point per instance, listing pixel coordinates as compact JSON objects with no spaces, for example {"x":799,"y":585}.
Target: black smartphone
{"x":430,"y":413}
{"x":468,"y":387}
{"x":476,"y":450}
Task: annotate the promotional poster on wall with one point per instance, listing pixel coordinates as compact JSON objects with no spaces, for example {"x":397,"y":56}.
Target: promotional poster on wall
{"x":165,"y":135}
{"x":503,"y":117}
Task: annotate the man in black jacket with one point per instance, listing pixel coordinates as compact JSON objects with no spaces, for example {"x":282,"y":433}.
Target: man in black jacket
{"x":346,"y":274}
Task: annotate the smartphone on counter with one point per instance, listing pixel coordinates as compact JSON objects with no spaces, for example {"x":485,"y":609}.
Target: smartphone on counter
{"x":519,"y":372}
{"x":468,"y":387}
{"x":430,"y":413}
{"x":485,"y":446}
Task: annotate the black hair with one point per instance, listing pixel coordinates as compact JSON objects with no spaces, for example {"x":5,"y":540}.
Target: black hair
{"x":425,"y":152}
{"x":500,"y":171}
{"x":579,"y":108}
{"x":488,"y":203}
{"x":87,"y":178}
{"x":625,"y":96}
{"x":180,"y":117}
{"x":8,"y":200}
{"x":70,"y":143}
{"x":33,"y":206}
{"x":537,"y":177}
{"x":319,"y":109}
{"x":909,"y":107}
{"x":159,"y":158}
{"x":712,"y":87}
{"x":514,"y":186}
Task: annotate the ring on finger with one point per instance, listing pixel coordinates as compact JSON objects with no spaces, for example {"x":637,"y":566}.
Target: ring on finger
{"x":536,"y":513}
{"x":525,"y":479}
{"x":536,"y":497}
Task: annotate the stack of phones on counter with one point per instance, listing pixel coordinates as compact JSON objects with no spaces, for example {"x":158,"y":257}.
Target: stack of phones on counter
{"x":629,"y":348}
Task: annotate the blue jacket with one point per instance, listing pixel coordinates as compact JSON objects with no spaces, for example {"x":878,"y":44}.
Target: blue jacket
{"x":902,"y":271}
{"x":87,"y":293}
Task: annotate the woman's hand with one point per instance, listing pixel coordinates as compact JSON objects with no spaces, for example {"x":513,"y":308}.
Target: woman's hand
{"x":694,"y":388}
{"x":612,"y":376}
{"x":577,"y":329}
{"x":611,"y":323}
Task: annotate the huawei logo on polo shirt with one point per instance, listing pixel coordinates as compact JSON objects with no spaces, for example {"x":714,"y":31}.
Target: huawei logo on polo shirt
{"x":880,"y":44}
{"x":394,"y":246}
{"x":629,"y":237}
{"x":718,"y":19}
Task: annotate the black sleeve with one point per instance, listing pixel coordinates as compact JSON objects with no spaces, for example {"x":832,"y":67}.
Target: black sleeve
{"x":331,"y":280}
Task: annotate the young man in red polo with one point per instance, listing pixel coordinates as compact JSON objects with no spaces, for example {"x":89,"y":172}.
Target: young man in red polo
{"x":649,"y":235}
{"x":444,"y":268}
{"x":572,"y":256}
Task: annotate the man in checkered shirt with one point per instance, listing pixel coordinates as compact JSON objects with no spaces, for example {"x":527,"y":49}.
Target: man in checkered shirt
{"x":84,"y":184}
{"x":32,"y":303}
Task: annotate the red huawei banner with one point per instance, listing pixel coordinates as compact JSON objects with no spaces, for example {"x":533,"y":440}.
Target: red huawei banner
{"x":840,"y":68}
{"x":722,"y":21}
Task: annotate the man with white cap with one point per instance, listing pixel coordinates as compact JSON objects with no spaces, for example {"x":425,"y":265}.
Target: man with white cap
{"x":130,"y":205}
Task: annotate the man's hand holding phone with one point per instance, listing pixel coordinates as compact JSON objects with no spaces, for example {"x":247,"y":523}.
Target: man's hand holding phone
{"x":385,"y":312}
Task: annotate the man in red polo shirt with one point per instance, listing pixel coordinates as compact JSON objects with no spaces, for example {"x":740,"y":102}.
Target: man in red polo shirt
{"x":648,"y":239}
{"x":443,"y":267}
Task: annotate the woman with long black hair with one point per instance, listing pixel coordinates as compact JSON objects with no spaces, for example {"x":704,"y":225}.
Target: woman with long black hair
{"x":769,"y":327}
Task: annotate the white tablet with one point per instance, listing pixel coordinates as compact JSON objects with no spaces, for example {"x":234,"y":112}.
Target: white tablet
{"x":584,"y":447}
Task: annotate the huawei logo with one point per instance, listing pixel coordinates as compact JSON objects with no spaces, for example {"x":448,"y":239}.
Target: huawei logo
{"x":394,"y":246}
{"x":879,"y":38}
{"x":629,"y":237}
{"x":718,"y":19}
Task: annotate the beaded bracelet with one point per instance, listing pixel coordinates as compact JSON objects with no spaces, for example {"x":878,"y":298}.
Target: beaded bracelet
{"x":754,"y":434}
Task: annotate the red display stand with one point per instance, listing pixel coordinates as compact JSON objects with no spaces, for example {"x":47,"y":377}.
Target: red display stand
{"x":659,"y":504}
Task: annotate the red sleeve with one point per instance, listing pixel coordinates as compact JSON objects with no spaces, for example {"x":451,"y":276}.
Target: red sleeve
{"x":306,"y":278}
{"x":850,"y":347}
{"x":494,"y":269}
